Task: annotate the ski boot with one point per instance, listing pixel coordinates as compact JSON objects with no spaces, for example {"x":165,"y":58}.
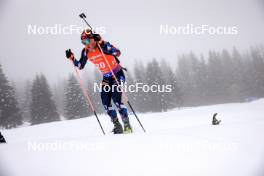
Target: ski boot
{"x":118,"y":129}
{"x":124,"y":115}
{"x":127,"y":127}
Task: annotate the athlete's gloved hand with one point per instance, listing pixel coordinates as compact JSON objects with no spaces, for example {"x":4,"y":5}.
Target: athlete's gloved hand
{"x":69,"y":54}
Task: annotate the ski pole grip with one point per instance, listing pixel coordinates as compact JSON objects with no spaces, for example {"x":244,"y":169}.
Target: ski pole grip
{"x":82,"y":15}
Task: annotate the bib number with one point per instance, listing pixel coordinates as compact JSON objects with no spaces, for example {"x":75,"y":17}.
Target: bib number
{"x":101,"y":65}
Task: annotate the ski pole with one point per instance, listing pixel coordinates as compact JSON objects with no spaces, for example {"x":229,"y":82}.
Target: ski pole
{"x":88,"y":99}
{"x":125,"y":96}
{"x":83,"y":16}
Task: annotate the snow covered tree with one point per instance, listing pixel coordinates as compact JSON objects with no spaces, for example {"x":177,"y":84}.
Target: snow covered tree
{"x":201,"y":81}
{"x":58,"y":92}
{"x":258,"y":71}
{"x":216,"y":79}
{"x":171,"y":99}
{"x":155,"y":78}
{"x":140,"y":98}
{"x":75,"y":103}
{"x":10,"y":114}
{"x":25,"y":102}
{"x":42,"y":108}
{"x":238,"y":90}
{"x":185,"y":76}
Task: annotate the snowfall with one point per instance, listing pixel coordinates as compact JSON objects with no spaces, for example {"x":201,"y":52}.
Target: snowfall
{"x":178,"y":142}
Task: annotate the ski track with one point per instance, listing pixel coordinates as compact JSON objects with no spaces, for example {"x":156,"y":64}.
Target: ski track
{"x":177,"y":142}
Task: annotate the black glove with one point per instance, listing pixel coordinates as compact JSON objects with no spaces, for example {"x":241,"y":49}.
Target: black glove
{"x":68,"y":53}
{"x":124,"y":68}
{"x":97,"y":37}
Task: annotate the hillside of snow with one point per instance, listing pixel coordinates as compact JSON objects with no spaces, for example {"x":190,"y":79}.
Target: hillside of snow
{"x":179,"y":142}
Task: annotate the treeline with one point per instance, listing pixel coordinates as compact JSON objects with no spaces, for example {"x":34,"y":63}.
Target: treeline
{"x":220,"y":77}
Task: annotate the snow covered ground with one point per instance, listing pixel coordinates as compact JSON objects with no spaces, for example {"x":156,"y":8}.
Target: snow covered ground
{"x":179,"y":142}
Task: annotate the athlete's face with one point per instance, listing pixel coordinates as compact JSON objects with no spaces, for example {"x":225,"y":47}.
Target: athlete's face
{"x":91,"y":45}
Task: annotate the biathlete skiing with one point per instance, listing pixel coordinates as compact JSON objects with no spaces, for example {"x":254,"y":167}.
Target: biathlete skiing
{"x":109,"y":64}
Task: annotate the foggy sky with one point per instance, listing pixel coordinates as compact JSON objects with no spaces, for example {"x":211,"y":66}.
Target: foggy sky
{"x":132,"y":26}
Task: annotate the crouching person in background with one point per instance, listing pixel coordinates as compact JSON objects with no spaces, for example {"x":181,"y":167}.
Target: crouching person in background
{"x":2,"y":139}
{"x":215,"y":121}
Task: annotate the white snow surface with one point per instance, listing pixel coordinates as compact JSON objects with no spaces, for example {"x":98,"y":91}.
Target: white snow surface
{"x":179,"y":142}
